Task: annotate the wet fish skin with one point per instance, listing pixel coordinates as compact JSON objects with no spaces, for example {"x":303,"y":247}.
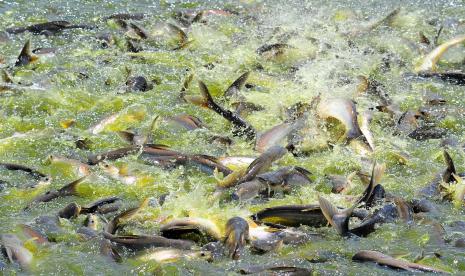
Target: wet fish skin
{"x":95,"y":206}
{"x":237,"y":234}
{"x":107,"y":249}
{"x":112,"y":155}
{"x":113,"y":225}
{"x":276,"y":270}
{"x":71,"y":210}
{"x":126,"y":16}
{"x":250,"y":189}
{"x":382,"y":259}
{"x":261,"y":246}
{"x":387,"y":213}
{"x":263,"y":162}
{"x":292,"y":215}
{"x":197,"y":229}
{"x":141,"y":242}
{"x":48,"y":28}
{"x":457,"y":78}
{"x":138,"y":84}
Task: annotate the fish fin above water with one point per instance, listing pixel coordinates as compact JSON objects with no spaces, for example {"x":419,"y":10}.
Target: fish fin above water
{"x":447,"y":175}
{"x":236,"y":85}
{"x":26,"y":56}
{"x":338,"y":218}
{"x":71,"y":188}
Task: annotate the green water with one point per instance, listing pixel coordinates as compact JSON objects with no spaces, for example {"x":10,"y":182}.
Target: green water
{"x":30,"y":128}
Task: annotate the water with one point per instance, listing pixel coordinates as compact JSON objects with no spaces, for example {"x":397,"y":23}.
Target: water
{"x":85,"y":83}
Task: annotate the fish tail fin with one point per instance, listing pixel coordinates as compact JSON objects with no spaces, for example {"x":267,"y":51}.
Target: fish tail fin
{"x":376,"y":175}
{"x":447,"y":176}
{"x":126,"y":135}
{"x":26,"y":56}
{"x":237,"y":84}
{"x":339,"y":219}
{"x":206,"y":94}
{"x":71,"y":188}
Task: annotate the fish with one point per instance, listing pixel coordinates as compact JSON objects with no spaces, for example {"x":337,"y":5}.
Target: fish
{"x":428,"y":63}
{"x":270,"y":51}
{"x":165,"y":157}
{"x":18,"y":167}
{"x":126,"y":16}
{"x":26,"y":56}
{"x":283,"y":179}
{"x":107,"y":250}
{"x":48,"y":28}
{"x":32,"y":233}
{"x":452,"y":77}
{"x":115,"y":223}
{"x":141,"y":242}
{"x":82,"y":169}
{"x":196,"y":229}
{"x":387,"y":213}
{"x":67,"y":190}
{"x":274,"y":136}
{"x":136,"y":32}
{"x":15,"y":250}
{"x":386,"y":20}
{"x":275,"y":270}
{"x":241,"y":126}
{"x":261,"y":246}
{"x":96,"y":207}
{"x":367,"y":117}
{"x":237,"y":235}
{"x":188,"y":122}
{"x":339,"y":219}
{"x":234,"y":89}
{"x":262,"y":163}
{"x":119,"y":174}
{"x":385,"y":260}
{"x":91,"y":221}
{"x":292,"y":215}
{"x":138,"y":84}
{"x":95,"y":159}
{"x":340,"y":183}
{"x":71,"y":210}
{"x":168,"y":255}
{"x":344,"y":111}
{"x":100,"y":126}
{"x":446,"y":176}
{"x":250,"y":189}
{"x":138,"y":137}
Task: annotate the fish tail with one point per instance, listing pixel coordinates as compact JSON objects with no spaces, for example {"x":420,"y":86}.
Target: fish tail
{"x":26,"y":56}
{"x":339,"y":219}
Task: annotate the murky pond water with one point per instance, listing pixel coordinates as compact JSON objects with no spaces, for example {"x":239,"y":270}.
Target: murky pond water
{"x":307,"y":52}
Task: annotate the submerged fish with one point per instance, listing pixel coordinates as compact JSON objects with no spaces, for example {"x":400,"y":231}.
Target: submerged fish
{"x":68,"y":190}
{"x":47,"y":28}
